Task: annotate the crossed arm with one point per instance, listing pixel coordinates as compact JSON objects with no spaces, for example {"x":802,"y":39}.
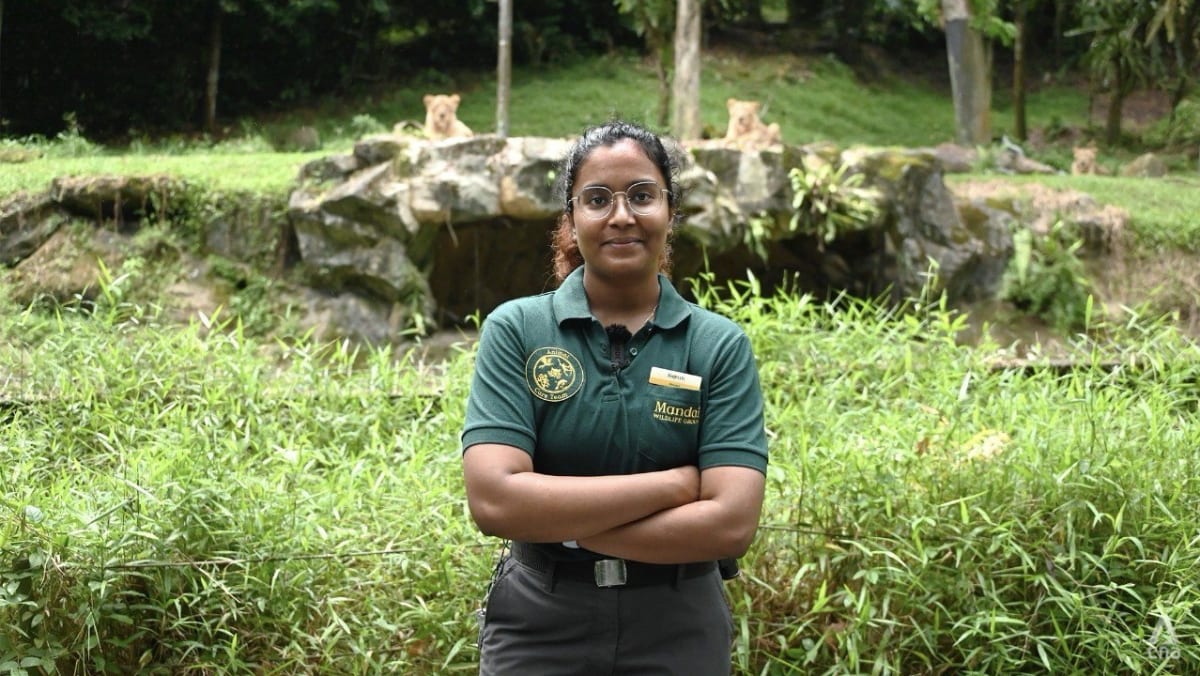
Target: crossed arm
{"x":670,"y":516}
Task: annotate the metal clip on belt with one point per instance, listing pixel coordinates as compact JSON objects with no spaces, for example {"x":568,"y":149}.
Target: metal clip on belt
{"x":611,"y":573}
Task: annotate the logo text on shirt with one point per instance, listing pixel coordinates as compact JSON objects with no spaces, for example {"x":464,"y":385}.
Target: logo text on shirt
{"x":674,"y":413}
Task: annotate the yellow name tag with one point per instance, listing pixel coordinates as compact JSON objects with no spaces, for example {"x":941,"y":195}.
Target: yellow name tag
{"x":669,"y":378}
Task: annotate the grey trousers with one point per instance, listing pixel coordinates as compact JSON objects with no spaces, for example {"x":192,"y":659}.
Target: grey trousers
{"x":534,"y":624}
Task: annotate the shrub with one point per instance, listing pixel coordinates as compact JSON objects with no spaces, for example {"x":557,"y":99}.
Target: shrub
{"x":1047,"y":279}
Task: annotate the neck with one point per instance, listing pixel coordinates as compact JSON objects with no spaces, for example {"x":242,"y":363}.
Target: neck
{"x":630,"y":298}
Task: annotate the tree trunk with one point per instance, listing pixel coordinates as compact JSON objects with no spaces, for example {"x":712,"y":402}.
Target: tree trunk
{"x":799,"y":12}
{"x":1060,"y":22}
{"x":754,"y":12}
{"x":1185,"y":49}
{"x":685,"y":122}
{"x":1020,"y":127}
{"x":213,"y":77}
{"x":1,"y":52}
{"x":1116,"y":104}
{"x":503,"y":68}
{"x":657,"y":45}
{"x":970,"y":75}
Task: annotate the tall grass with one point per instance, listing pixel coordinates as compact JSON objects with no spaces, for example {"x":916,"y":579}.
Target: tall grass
{"x":932,"y":513}
{"x":192,"y":501}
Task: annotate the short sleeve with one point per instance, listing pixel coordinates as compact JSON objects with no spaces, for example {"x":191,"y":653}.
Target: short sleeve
{"x":733,"y":431}
{"x":499,"y":406}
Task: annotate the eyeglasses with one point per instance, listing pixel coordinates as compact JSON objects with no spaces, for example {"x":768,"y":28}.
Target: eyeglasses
{"x":643,"y":198}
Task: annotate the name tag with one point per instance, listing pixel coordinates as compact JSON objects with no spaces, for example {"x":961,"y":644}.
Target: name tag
{"x":669,"y":378}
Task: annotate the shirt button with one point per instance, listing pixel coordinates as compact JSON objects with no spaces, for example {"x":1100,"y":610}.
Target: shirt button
{"x":633,"y":351}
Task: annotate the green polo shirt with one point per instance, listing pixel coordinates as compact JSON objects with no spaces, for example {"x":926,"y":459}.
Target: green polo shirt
{"x":544,"y":382}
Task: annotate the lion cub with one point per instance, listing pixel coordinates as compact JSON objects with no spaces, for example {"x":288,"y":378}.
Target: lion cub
{"x":441,"y":117}
{"x":746,"y":129}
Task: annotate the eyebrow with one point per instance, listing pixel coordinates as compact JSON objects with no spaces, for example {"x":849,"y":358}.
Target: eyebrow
{"x":631,"y":183}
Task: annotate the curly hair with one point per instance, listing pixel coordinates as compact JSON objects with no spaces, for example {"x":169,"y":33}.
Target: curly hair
{"x":665,"y":156}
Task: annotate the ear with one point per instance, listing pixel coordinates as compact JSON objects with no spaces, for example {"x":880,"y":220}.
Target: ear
{"x":455,"y":99}
{"x":757,"y":105}
{"x":730,"y":103}
{"x":428,"y":99}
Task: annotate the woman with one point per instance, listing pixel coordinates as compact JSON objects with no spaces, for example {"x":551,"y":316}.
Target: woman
{"x":614,"y":434}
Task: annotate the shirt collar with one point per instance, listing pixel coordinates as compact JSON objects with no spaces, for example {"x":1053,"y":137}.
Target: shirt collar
{"x":570,"y":302}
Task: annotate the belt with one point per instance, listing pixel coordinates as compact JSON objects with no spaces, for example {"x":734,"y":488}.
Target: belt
{"x":608,"y":572}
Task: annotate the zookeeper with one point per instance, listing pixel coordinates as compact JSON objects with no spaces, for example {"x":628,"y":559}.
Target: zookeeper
{"x":614,"y":433}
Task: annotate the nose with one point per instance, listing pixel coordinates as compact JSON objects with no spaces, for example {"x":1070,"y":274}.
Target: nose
{"x":620,"y":210}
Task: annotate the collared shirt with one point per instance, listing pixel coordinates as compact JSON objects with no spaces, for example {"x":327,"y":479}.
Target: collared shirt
{"x":545,"y":382}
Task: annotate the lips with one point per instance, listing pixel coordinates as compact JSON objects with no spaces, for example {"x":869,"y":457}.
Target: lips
{"x":623,"y":241}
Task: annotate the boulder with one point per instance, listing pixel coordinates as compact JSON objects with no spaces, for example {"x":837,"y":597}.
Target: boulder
{"x":1148,"y":165}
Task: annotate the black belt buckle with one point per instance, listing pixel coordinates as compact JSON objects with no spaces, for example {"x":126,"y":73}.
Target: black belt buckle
{"x":610,"y":573}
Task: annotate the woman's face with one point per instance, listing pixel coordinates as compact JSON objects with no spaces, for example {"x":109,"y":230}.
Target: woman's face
{"x":623,"y":244}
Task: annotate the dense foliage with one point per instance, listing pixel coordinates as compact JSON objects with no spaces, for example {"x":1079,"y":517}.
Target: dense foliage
{"x":140,"y":66}
{"x":190,"y":501}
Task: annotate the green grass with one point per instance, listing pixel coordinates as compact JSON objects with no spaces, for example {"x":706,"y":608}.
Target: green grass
{"x":191,"y":501}
{"x":258,"y":172}
{"x":1162,"y":211}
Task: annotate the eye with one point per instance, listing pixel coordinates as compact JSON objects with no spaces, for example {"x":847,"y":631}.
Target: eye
{"x":643,"y":194}
{"x":595,"y":199}
{"x":641,"y":197}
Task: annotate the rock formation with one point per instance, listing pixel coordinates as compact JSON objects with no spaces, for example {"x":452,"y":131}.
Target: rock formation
{"x":403,"y":232}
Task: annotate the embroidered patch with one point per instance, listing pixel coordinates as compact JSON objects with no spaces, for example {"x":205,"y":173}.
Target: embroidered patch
{"x":553,"y":374}
{"x":675,"y":413}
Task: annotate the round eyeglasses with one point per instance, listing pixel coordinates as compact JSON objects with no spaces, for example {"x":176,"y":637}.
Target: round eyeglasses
{"x":596,"y":202}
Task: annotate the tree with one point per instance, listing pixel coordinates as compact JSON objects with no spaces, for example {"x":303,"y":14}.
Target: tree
{"x":1020,"y":125}
{"x":1,"y":69}
{"x":654,"y":21}
{"x":1020,"y":34}
{"x":1118,"y":55}
{"x":212,"y":72}
{"x":970,"y":61}
{"x":1179,"y":20}
{"x":503,"y":67}
{"x":685,"y":118}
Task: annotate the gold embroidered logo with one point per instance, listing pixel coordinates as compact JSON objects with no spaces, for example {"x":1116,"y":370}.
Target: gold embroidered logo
{"x":673,"y":413}
{"x":553,"y":374}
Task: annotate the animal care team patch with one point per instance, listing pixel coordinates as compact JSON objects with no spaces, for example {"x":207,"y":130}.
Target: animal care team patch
{"x":553,"y":374}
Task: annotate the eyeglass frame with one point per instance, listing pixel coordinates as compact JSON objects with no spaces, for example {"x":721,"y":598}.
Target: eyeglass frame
{"x":624,"y":193}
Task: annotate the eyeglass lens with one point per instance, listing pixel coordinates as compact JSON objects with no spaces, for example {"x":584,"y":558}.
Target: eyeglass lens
{"x":643,"y":199}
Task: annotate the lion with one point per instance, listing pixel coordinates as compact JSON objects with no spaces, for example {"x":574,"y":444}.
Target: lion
{"x":746,"y":129}
{"x":441,"y":117}
{"x":1085,"y":161}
